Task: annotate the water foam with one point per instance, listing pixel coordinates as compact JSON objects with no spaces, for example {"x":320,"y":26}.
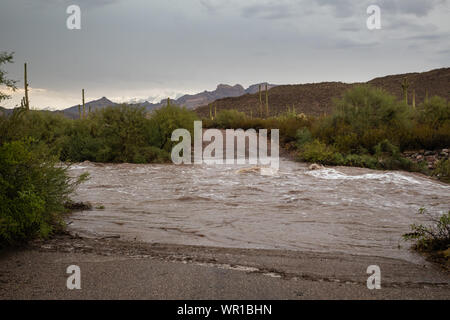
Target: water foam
{"x":387,"y":177}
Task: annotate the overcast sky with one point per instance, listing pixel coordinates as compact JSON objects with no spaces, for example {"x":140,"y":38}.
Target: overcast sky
{"x":150,"y":49}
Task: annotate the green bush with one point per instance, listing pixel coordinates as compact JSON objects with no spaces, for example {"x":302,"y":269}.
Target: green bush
{"x":319,"y":152}
{"x":364,"y":117}
{"x":230,"y":119}
{"x":303,"y":136}
{"x":33,"y":190}
{"x":434,"y":237}
{"x":442,"y":170}
{"x":164,"y":121}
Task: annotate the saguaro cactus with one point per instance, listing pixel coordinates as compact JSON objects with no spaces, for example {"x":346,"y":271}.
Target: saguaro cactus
{"x":215,"y":111}
{"x":210,"y":112}
{"x":414,"y":98}
{"x":168,"y":101}
{"x":267,"y":102}
{"x":22,"y":103}
{"x":260,"y":102}
{"x":27,"y":101}
{"x":79,"y":111}
{"x":405,"y":86}
{"x":84,"y":106}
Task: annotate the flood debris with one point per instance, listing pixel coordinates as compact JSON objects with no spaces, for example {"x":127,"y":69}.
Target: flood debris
{"x":77,"y":206}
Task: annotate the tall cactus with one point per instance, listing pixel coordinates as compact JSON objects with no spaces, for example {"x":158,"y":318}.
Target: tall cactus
{"x":79,"y":111}
{"x":215,"y":111}
{"x":414,"y":98}
{"x":84,"y":106}
{"x":267,"y":102}
{"x":168,"y":101}
{"x":260,"y":102}
{"x":405,"y":86}
{"x":27,"y":101}
{"x":210,"y":112}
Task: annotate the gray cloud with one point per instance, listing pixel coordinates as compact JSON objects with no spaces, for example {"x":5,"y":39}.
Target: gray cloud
{"x":139,"y":49}
{"x":269,"y":11}
{"x":65,"y":3}
{"x":419,"y":8}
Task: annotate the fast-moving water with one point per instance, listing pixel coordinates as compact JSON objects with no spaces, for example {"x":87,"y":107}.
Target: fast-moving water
{"x":339,"y":209}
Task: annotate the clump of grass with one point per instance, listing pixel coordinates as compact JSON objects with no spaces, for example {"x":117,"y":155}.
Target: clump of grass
{"x":442,"y":171}
{"x":434,"y":238}
{"x":77,"y":206}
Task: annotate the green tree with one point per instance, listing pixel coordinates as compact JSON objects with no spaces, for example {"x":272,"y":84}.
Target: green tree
{"x":6,"y":57}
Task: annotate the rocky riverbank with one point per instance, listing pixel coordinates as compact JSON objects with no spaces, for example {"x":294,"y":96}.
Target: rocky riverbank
{"x":429,"y":157}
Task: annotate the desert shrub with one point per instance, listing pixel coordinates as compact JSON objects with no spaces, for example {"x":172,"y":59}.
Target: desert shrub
{"x":390,"y":158}
{"x":122,"y":132}
{"x":289,"y":127}
{"x":365,"y":161}
{"x":435,"y":112}
{"x":347,"y":143}
{"x":79,"y":144}
{"x":230,"y":119}
{"x":442,"y":170}
{"x":303,"y":136}
{"x":362,"y":118}
{"x":433,"y":237}
{"x":164,"y":121}
{"x":33,"y":190}
{"x":318,"y":152}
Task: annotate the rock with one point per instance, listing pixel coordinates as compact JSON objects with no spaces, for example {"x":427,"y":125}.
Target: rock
{"x":429,"y":153}
{"x":249,"y":170}
{"x":445,"y":150}
{"x":315,"y":166}
{"x":419,"y":157}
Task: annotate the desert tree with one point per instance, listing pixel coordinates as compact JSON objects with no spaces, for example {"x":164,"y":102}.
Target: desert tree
{"x":6,"y":57}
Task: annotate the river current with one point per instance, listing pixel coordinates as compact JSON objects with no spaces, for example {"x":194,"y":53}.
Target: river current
{"x":335,"y":209}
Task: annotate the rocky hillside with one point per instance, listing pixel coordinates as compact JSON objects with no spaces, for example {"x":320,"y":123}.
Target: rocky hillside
{"x":188,"y":100}
{"x":317,"y":98}
{"x":436,"y":82}
{"x":101,"y":103}
{"x":192,"y":101}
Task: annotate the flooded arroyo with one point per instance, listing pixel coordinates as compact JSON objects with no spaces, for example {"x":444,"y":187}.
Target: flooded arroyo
{"x":335,"y":209}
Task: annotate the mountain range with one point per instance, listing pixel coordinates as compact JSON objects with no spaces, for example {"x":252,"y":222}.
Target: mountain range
{"x":190,"y":101}
{"x":310,"y":99}
{"x":317,"y":98}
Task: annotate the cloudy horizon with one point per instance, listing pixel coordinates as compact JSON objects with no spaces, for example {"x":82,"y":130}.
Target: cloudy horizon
{"x":148,"y":50}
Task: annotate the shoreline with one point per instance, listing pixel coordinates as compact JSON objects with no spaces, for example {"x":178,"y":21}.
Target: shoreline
{"x":116,"y":269}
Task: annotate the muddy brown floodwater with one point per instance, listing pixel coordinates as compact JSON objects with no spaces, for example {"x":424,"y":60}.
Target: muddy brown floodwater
{"x":336,"y":209}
